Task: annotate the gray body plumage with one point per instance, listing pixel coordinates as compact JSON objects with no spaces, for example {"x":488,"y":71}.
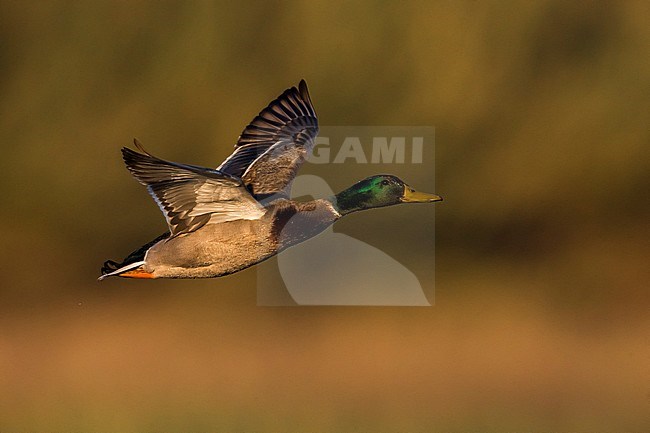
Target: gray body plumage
{"x":223,"y":248}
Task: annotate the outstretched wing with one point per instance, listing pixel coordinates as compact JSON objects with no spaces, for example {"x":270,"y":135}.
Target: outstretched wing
{"x":274,"y":145}
{"x":191,"y":196}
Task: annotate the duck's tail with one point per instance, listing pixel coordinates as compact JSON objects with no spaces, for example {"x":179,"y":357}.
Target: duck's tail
{"x":132,"y":270}
{"x":130,"y":267}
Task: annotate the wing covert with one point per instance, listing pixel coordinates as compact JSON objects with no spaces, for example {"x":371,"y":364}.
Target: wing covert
{"x":191,"y":196}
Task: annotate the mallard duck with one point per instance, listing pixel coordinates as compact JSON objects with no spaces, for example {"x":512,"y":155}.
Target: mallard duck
{"x":227,"y":219}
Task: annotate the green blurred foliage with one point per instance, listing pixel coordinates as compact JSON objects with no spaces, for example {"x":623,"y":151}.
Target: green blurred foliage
{"x":541,"y":112}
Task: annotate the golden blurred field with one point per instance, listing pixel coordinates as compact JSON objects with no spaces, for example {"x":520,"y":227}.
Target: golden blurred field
{"x":542,"y":283}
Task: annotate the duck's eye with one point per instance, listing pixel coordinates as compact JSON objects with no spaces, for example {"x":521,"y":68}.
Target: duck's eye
{"x":384,"y":182}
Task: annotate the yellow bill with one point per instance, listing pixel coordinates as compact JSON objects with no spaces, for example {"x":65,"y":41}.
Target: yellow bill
{"x":413,"y":196}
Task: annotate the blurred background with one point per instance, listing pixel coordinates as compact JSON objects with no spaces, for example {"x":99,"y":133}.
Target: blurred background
{"x":542,"y":280}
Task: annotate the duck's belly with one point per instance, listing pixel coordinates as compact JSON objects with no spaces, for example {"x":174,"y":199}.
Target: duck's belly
{"x":214,"y":250}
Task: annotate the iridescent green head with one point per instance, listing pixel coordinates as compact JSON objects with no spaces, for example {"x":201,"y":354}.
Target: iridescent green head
{"x":379,"y":191}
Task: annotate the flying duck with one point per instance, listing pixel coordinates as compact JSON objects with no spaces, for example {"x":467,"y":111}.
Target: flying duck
{"x":227,"y":219}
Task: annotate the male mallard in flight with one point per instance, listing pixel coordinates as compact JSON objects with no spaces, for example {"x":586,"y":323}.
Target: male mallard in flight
{"x":225,"y":220}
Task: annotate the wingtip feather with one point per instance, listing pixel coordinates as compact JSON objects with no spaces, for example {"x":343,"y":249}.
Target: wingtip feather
{"x":140,"y":147}
{"x":304,"y":91}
